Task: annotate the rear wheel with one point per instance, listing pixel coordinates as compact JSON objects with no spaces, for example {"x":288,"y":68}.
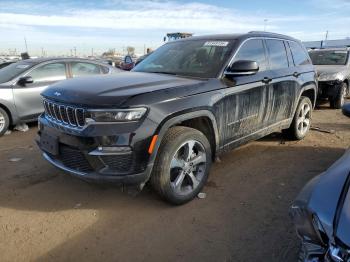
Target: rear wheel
{"x":182,"y":165}
{"x":339,"y":100}
{"x":302,"y":120}
{"x":4,"y":121}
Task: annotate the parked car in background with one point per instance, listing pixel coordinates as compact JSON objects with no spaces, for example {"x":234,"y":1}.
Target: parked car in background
{"x":321,"y":213}
{"x":21,"y":84}
{"x":128,"y":63}
{"x":187,"y":102}
{"x":4,"y":64}
{"x":333,"y":69}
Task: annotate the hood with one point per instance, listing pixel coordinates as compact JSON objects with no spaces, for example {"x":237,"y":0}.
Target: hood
{"x":113,"y":90}
{"x":326,"y":195}
{"x":330,"y":69}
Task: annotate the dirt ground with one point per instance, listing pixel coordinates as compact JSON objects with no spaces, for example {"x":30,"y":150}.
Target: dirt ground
{"x":46,"y":215}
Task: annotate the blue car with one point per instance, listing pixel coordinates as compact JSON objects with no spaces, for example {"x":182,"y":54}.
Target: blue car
{"x":321,"y":213}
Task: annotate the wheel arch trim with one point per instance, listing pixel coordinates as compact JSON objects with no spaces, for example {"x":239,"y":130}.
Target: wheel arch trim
{"x":180,"y":118}
{"x":310,"y":86}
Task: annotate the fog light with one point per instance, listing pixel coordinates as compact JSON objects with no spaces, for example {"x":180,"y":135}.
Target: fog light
{"x":110,"y":150}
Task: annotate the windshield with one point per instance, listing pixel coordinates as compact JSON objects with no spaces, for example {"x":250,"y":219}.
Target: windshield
{"x":11,"y":71}
{"x":196,"y":58}
{"x":330,"y":57}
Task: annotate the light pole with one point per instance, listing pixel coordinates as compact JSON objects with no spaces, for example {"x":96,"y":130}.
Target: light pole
{"x":265,"y":24}
{"x":25,"y":43}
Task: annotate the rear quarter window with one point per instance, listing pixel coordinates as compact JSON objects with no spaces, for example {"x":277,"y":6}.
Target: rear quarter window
{"x":84,"y":69}
{"x":299,"y":54}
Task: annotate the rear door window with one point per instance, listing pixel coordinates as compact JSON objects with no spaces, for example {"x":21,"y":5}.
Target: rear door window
{"x":277,"y":54}
{"x":85,"y":69}
{"x":49,"y":72}
{"x":299,"y":54}
{"x":253,"y":50}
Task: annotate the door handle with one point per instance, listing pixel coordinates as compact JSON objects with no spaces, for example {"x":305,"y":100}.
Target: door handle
{"x":266,"y":80}
{"x":296,"y":74}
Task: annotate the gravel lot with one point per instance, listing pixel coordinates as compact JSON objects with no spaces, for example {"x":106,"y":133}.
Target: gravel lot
{"x":46,"y":215}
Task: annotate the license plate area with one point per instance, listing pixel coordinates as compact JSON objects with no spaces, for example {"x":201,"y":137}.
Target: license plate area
{"x":49,"y":143}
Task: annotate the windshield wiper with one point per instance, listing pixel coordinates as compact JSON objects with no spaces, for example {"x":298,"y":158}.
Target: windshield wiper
{"x":163,"y":72}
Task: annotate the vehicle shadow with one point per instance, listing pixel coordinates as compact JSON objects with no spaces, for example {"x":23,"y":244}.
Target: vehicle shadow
{"x":248,"y":196}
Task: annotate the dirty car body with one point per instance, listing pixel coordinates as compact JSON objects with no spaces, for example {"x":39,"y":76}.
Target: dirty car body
{"x":228,"y":109}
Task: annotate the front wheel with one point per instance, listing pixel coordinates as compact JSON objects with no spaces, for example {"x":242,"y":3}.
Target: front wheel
{"x":182,"y":165}
{"x":4,"y":121}
{"x":339,"y":100}
{"x":302,"y":120}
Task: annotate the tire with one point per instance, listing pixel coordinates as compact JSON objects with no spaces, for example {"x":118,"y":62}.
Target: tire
{"x":302,"y":120}
{"x":178,"y":175}
{"x":302,"y":257}
{"x":4,"y":121}
{"x":338,"y":101}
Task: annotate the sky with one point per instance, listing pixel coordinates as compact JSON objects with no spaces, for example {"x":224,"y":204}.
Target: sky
{"x":56,"y":27}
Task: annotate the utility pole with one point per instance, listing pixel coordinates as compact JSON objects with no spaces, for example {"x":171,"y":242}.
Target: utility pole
{"x":25,"y":42}
{"x":326,"y":36}
{"x":265,"y":24}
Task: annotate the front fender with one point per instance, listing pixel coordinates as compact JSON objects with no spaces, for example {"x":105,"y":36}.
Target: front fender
{"x":166,"y":124}
{"x":11,"y":108}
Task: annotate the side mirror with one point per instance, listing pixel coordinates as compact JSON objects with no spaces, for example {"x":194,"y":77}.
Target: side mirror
{"x":242,"y":68}
{"x":25,"y":80}
{"x":346,"y":110}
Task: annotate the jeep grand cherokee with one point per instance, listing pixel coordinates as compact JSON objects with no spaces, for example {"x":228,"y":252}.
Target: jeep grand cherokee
{"x":186,"y":103}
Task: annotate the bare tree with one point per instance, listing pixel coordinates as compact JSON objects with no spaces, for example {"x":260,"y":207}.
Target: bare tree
{"x":130,"y":49}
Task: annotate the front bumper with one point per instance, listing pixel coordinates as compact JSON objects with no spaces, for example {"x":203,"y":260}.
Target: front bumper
{"x":121,"y":158}
{"x":328,"y":89}
{"x":131,"y":179}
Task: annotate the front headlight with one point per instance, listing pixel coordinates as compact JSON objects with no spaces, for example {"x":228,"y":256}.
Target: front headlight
{"x":117,"y":115}
{"x":330,"y":77}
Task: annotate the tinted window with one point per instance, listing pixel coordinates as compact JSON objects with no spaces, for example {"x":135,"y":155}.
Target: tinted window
{"x":49,"y":72}
{"x":277,"y":53}
{"x":253,"y":50}
{"x":84,"y":69}
{"x":328,"y":57}
{"x":299,"y":54}
{"x":198,"y":58}
{"x":13,"y":70}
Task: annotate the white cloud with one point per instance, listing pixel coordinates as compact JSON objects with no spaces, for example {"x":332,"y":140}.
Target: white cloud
{"x":48,"y":25}
{"x":151,"y":16}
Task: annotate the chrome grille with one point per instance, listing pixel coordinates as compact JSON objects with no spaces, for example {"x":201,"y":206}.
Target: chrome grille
{"x":67,"y":115}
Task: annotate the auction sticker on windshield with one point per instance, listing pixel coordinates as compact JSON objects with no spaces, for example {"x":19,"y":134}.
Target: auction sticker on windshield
{"x":216,"y":43}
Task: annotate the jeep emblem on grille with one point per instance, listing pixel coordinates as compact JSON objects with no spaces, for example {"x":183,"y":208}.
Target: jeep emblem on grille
{"x":57,"y":93}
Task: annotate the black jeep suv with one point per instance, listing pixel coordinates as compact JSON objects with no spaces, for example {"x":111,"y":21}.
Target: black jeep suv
{"x":187,"y":102}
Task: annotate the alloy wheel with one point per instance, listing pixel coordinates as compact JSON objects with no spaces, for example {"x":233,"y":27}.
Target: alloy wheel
{"x":303,"y":122}
{"x":2,"y":121}
{"x":342,"y":96}
{"x":187,"y":167}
